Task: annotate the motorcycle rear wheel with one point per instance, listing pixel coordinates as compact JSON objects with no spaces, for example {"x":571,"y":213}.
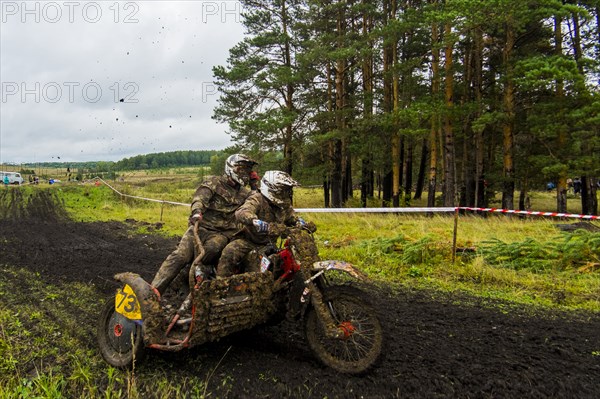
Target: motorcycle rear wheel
{"x":120,"y":339}
{"x":361,"y":345}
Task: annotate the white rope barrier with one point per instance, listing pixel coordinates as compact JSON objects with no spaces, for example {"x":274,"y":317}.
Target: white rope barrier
{"x":374,"y":210}
{"x":140,"y":198}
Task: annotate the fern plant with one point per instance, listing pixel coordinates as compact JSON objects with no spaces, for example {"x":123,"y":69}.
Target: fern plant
{"x":559,"y":252}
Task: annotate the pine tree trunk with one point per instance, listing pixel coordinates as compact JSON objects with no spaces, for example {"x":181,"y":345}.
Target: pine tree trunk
{"x":387,"y":106}
{"x":347,"y":174}
{"x":449,"y":154}
{"x":366,"y":181}
{"x":336,"y":174}
{"x":396,"y":152}
{"x":577,"y":50}
{"x":479,"y":146}
{"x":337,"y":186}
{"x":524,"y":201}
{"x":326,"y":192}
{"x":509,"y":116}
{"x":386,"y":190}
{"x":408,"y":171}
{"x":589,"y":196}
{"x":561,"y":187}
{"x":433,"y":135}
{"x":422,"y":166}
{"x":468,"y":171}
{"x":593,"y":201}
{"x":395,"y":169}
{"x":327,"y":187}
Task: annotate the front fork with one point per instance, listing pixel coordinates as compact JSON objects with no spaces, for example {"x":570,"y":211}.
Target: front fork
{"x":324,"y":313}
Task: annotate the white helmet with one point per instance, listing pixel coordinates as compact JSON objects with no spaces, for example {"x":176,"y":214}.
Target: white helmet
{"x":238,"y":168}
{"x":277,"y":186}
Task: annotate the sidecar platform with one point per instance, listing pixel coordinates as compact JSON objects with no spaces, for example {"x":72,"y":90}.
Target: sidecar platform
{"x":219,"y":308}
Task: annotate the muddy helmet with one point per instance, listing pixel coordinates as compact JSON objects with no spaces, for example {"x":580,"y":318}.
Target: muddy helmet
{"x":238,"y":168}
{"x":277,"y":186}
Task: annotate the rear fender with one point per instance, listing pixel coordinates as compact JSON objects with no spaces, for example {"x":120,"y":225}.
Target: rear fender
{"x":346,"y":267}
{"x":149,"y":301}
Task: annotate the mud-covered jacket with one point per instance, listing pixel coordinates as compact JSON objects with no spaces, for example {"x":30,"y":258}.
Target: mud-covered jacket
{"x":217,"y":200}
{"x":257,"y":206}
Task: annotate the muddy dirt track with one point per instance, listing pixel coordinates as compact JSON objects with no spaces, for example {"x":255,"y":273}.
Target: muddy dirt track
{"x":436,"y":346}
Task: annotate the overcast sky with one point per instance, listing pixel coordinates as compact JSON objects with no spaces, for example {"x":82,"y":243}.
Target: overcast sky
{"x":105,"y":80}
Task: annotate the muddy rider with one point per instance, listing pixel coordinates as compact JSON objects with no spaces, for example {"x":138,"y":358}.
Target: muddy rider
{"x":214,"y":204}
{"x":260,"y":214}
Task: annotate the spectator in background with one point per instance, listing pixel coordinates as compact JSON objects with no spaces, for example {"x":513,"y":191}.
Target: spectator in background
{"x":569,"y":184}
{"x":550,"y":186}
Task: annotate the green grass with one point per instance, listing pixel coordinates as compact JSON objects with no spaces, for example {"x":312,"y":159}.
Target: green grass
{"x":417,"y":252}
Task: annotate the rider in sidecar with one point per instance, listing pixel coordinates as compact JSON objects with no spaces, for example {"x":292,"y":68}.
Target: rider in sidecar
{"x":213,"y":206}
{"x":262,"y":215}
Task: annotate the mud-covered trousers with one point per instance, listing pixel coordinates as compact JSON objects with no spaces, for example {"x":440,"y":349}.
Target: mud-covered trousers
{"x":233,"y":255}
{"x":213,"y":243}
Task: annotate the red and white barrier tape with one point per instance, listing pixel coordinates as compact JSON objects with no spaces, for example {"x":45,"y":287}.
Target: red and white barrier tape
{"x":532,"y":213}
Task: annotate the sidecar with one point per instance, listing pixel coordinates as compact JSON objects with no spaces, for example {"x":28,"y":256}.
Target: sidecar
{"x":139,"y":318}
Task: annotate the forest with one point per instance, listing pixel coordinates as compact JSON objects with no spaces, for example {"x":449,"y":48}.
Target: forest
{"x":468,"y":98}
{"x":166,"y":159}
{"x":138,"y":162}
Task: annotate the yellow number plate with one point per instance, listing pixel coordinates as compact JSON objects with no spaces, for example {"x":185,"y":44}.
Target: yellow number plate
{"x":126,"y":303}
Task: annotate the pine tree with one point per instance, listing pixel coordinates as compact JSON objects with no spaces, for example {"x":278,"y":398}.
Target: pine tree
{"x":259,"y":84}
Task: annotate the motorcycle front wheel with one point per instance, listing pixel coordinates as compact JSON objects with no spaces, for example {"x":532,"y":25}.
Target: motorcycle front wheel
{"x":120,"y":339}
{"x":360,"y":346}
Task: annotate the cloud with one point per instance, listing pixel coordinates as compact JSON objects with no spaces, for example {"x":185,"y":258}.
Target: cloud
{"x":106,"y":80}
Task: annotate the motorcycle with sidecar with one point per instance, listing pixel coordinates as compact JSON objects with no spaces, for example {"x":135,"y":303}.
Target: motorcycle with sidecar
{"x":341,"y":328}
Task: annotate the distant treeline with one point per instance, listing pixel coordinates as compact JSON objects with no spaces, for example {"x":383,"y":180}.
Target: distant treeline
{"x":146,"y":161}
{"x":166,"y":159}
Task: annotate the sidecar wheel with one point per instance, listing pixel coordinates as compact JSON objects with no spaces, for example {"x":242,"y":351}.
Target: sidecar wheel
{"x":360,"y":347}
{"x":120,"y":339}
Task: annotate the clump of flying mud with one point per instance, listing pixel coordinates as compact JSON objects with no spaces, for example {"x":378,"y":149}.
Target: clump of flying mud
{"x":17,"y":204}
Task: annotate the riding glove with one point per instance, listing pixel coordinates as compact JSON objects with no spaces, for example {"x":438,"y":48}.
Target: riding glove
{"x":260,"y":226}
